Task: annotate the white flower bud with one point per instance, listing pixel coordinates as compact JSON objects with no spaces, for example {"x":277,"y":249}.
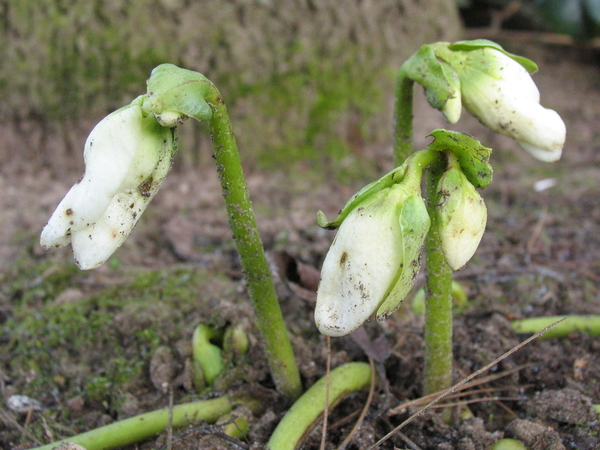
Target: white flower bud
{"x":502,"y":95}
{"x":367,"y":259}
{"x":127,"y":157}
{"x":461,"y":217}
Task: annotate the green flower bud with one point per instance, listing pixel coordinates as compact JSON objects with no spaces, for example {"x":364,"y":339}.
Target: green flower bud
{"x":373,"y":260}
{"x":206,"y":354}
{"x":174,"y":94}
{"x":461,"y":216}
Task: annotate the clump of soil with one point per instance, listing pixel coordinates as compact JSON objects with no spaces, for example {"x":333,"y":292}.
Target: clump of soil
{"x":94,"y":347}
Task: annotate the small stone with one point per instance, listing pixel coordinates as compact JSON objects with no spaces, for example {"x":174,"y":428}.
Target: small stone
{"x":69,"y":295}
{"x":187,"y":380}
{"x":22,"y":404}
{"x":579,"y":367}
{"x":60,"y":380}
{"x":531,"y":434}
{"x":75,"y":403}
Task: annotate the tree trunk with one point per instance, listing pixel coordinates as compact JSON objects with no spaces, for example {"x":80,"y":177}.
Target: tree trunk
{"x":301,"y":75}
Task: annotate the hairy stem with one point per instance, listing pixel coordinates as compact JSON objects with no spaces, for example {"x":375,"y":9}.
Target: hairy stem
{"x":438,"y":315}
{"x":250,"y":248}
{"x":438,"y":301}
{"x":403,"y":142}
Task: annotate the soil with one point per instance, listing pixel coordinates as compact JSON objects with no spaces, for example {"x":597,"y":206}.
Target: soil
{"x":540,"y":256}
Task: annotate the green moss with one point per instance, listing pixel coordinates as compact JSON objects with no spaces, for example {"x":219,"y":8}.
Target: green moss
{"x":317,"y":113}
{"x":310,"y":98}
{"x":99,"y":345}
{"x":29,"y":285}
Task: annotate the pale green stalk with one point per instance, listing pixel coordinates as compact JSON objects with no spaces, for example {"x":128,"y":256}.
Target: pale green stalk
{"x":207,"y":358}
{"x":138,"y":428}
{"x":308,"y":409}
{"x":250,"y":248}
{"x":508,"y":444}
{"x":584,"y":324}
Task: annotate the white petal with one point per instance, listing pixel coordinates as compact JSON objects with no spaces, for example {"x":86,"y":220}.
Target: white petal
{"x":542,"y":154}
{"x":57,"y":232}
{"x":109,"y":151}
{"x":150,"y":145}
{"x":93,"y":245}
{"x":506,"y":99}
{"x":545,"y":138}
{"x":358,"y":270}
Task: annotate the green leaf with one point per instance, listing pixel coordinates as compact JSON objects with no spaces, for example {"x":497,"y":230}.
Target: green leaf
{"x":172,"y":89}
{"x":438,"y":78}
{"x":476,"y":44}
{"x":394,"y":176}
{"x":414,"y":223}
{"x":472,"y":156}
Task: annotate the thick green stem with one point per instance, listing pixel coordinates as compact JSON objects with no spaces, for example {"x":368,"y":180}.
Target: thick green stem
{"x":250,"y":248}
{"x":438,"y":313}
{"x":403,"y":141}
{"x":308,"y":409}
{"x":138,"y":428}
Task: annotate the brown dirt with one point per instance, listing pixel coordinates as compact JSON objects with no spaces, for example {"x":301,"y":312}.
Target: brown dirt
{"x":540,"y":256}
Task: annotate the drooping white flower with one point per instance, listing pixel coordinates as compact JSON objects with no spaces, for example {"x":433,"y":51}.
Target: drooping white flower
{"x":500,"y":92}
{"x":127,"y":157}
{"x":371,"y":265}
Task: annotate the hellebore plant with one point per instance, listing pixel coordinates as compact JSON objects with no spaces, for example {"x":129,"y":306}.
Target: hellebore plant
{"x":374,"y":258}
{"x":128,"y":155}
